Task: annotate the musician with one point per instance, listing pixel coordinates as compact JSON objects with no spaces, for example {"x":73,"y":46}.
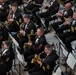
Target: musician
{"x":15,"y":19}
{"x":46,"y":65}
{"x":6,"y":57}
{"x":63,"y":15}
{"x":33,"y":6}
{"x":36,"y":47}
{"x":27,"y":28}
{"x":3,"y":10}
{"x":70,"y":35}
{"x":52,"y":8}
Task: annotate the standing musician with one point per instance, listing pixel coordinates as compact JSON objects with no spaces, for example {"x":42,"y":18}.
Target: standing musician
{"x":27,"y":28}
{"x":3,"y":10}
{"x":64,"y":15}
{"x":36,"y":47}
{"x":6,"y":58}
{"x":45,"y":66}
{"x":15,"y":19}
{"x":69,"y":36}
{"x":33,"y":5}
{"x":52,"y":8}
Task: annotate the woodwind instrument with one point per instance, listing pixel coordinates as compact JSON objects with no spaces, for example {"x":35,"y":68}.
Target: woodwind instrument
{"x":36,"y":57}
{"x":8,"y":23}
{"x":19,"y":35}
{"x":29,"y":40}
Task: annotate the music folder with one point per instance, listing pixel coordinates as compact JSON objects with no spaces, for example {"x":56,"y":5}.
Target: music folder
{"x":71,"y":61}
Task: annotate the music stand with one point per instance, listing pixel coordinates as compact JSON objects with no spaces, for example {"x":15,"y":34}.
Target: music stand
{"x":18,"y":55}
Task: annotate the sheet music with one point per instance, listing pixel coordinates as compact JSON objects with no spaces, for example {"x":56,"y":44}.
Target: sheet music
{"x":64,"y":51}
{"x":71,"y":61}
{"x":14,"y":41}
{"x":19,"y":56}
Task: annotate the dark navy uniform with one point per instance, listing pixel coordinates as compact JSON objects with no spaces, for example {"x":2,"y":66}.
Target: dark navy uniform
{"x":69,"y":36}
{"x":28,"y":29}
{"x":6,"y":60}
{"x":47,"y":66}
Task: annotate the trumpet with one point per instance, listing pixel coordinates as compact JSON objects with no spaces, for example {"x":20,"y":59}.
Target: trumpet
{"x":69,"y":19}
{"x":44,"y":6}
{"x":36,"y":58}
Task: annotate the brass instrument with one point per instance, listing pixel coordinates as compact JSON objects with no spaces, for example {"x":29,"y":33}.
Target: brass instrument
{"x":73,"y":28}
{"x":44,"y":6}
{"x":68,"y":19}
{"x":20,"y":35}
{"x":29,"y":40}
{"x":36,"y":57}
{"x":8,"y":23}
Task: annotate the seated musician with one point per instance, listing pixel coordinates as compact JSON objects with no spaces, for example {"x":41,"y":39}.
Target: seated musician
{"x":33,"y":6}
{"x":28,"y":27}
{"x":3,"y":10}
{"x":6,"y":58}
{"x":52,"y":8}
{"x":63,"y":15}
{"x":45,"y":66}
{"x":15,"y":19}
{"x":35,"y":47}
{"x":70,"y":35}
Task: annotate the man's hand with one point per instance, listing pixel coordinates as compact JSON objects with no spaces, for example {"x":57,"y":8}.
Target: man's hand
{"x":47,"y":4}
{"x":67,"y":22}
{"x":60,"y":14}
{"x":22,"y":32}
{"x":10,"y":20}
{"x":30,"y":43}
{"x":39,"y":62}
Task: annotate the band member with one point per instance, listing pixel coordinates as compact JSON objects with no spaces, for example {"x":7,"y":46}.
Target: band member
{"x":52,"y":8}
{"x":69,"y":36}
{"x":36,"y":47}
{"x":64,"y":15}
{"x":15,"y":19}
{"x":45,"y":66}
{"x":3,"y":10}
{"x":33,"y":6}
{"x":28,"y":27}
{"x":6,"y":57}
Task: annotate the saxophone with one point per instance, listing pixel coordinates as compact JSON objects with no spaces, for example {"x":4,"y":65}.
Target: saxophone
{"x":36,"y":57}
{"x":29,"y":40}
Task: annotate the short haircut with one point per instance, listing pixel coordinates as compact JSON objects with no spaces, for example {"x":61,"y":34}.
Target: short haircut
{"x":8,"y":43}
{"x":49,"y":47}
{"x":27,"y":16}
{"x":41,"y":29}
{"x":15,"y":5}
